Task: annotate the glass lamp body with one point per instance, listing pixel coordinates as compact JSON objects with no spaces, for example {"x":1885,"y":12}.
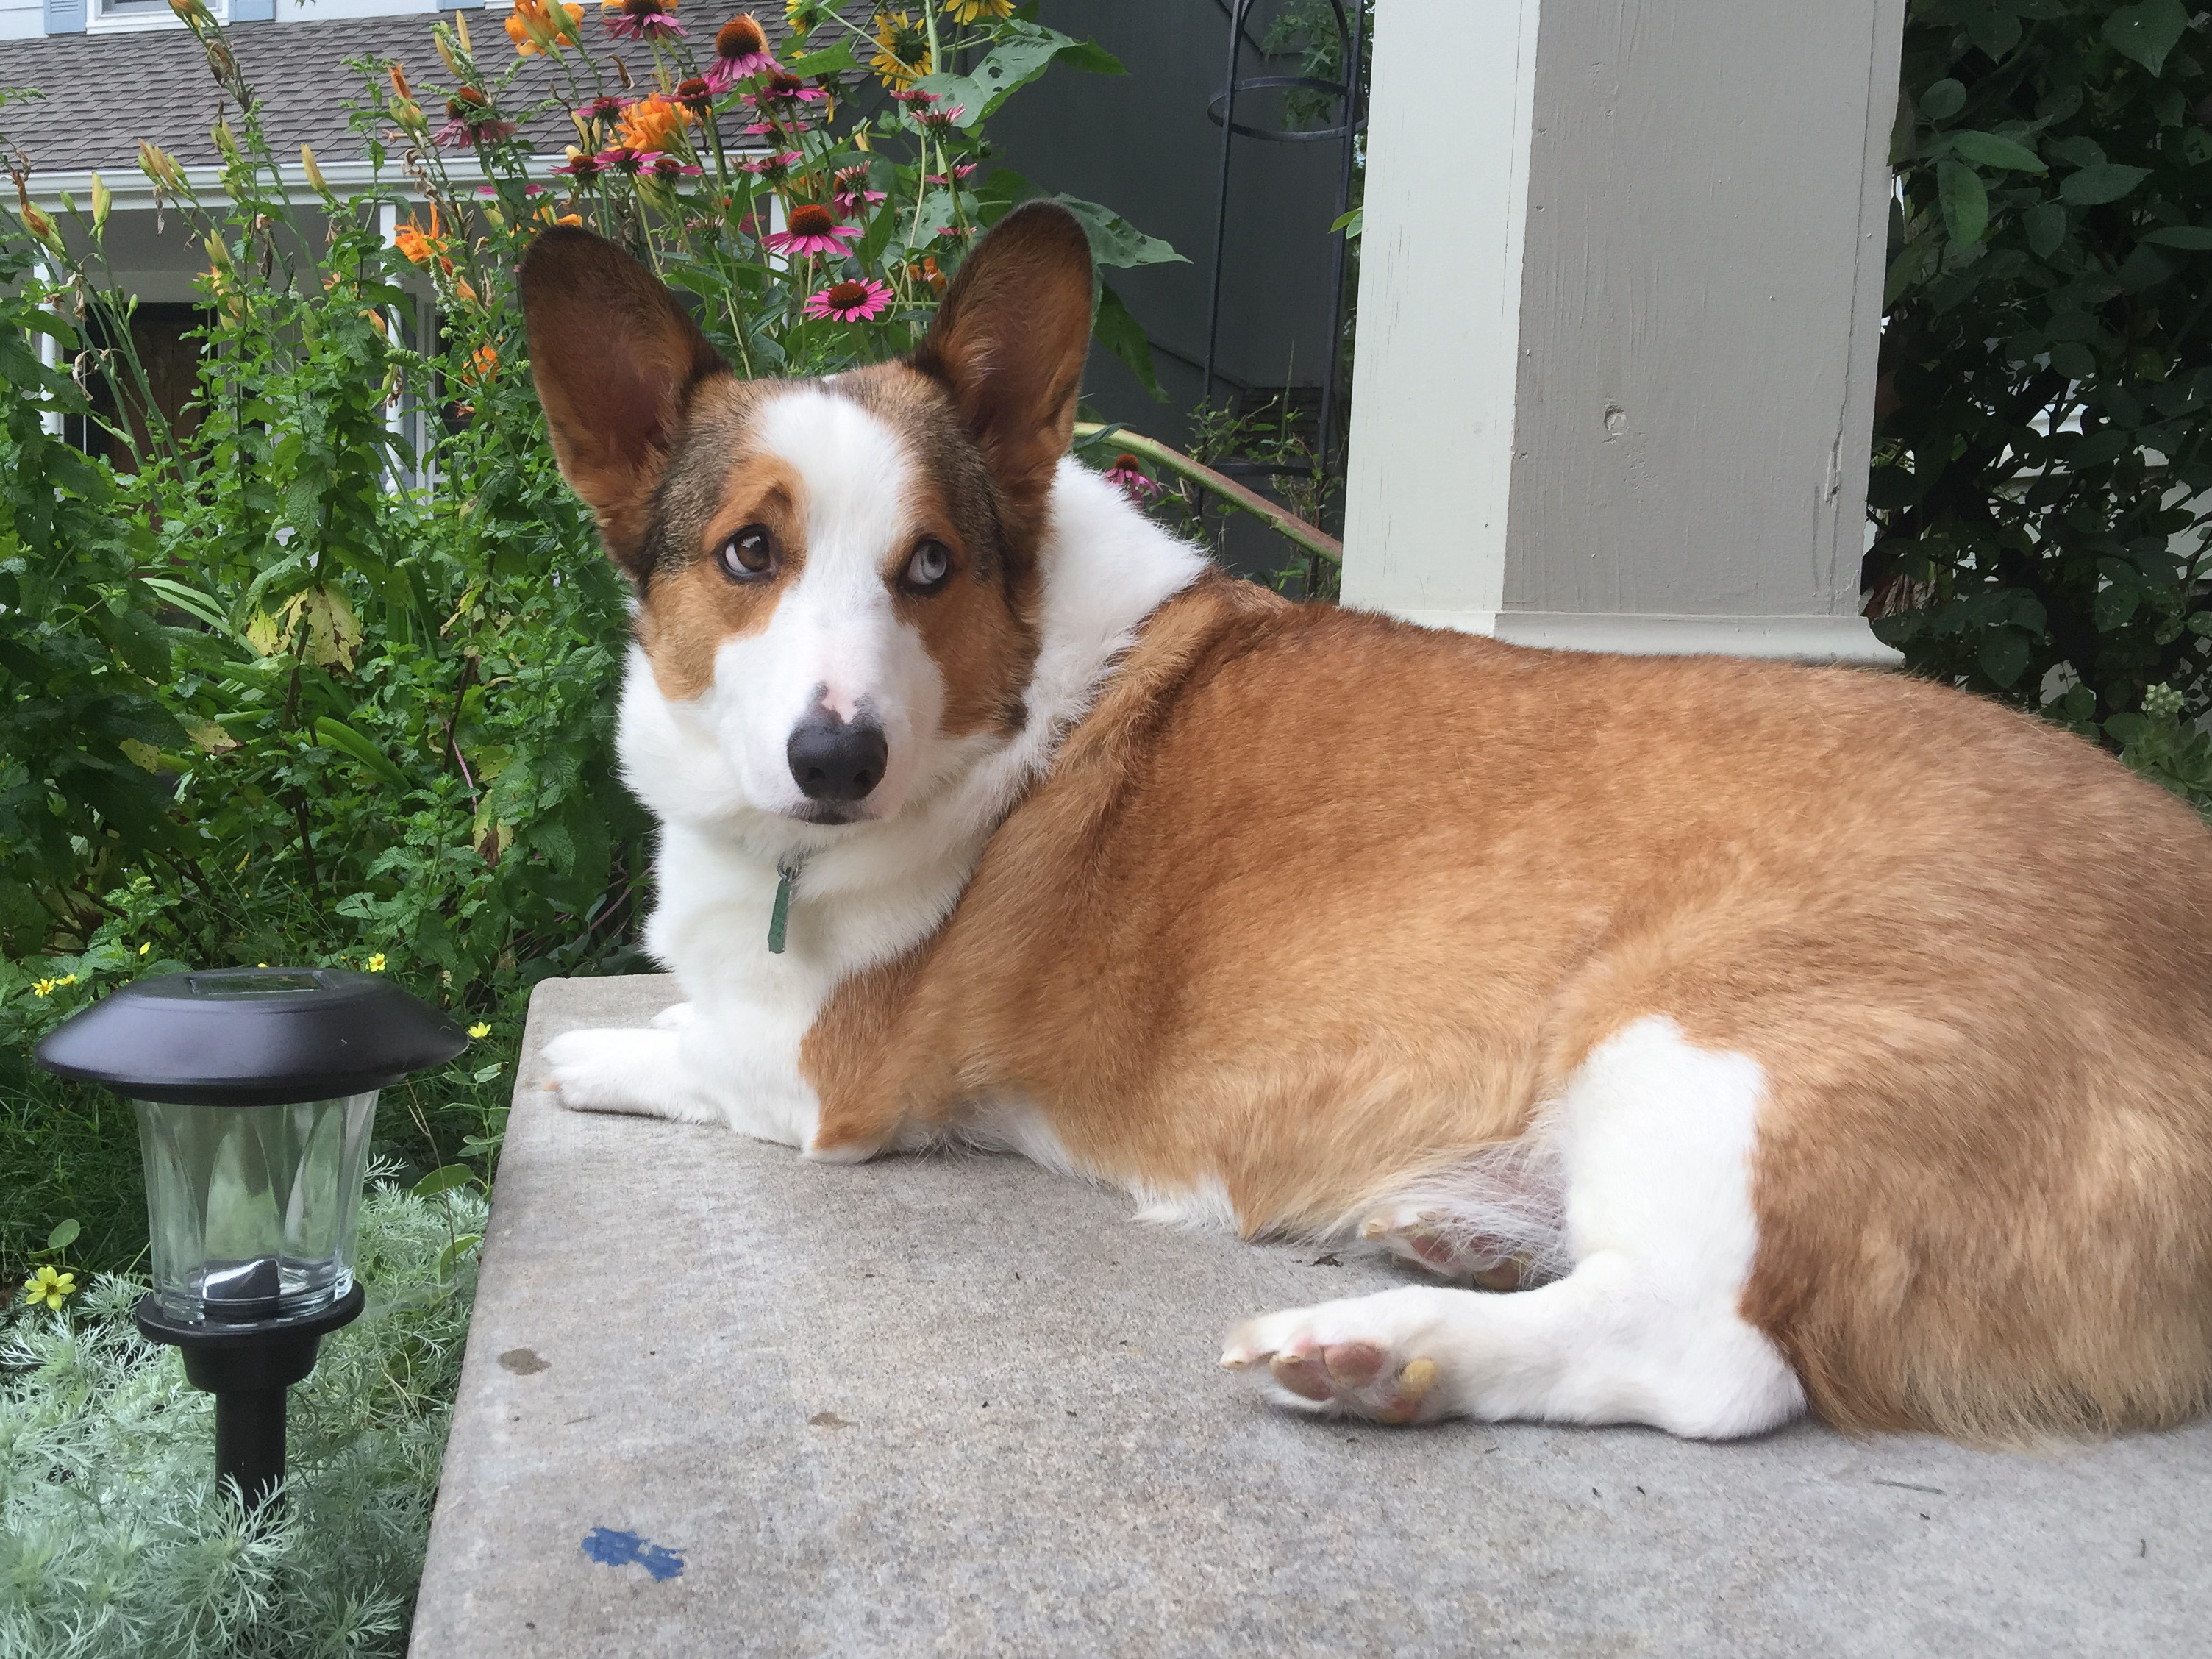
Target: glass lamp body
{"x":253,"y":1211}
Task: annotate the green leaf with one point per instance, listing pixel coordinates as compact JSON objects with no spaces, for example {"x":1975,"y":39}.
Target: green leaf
{"x":63,"y":1235}
{"x":444,"y":1179}
{"x":337,"y":734}
{"x":831,"y":60}
{"x":2197,"y":238}
{"x":1115,"y":241}
{"x":2045,"y":225}
{"x":2072,"y":360}
{"x":2147,"y":31}
{"x":1965,"y":200}
{"x":455,"y":1250}
{"x":2003,"y":655}
{"x":1352,"y":224}
{"x":486,"y":1074}
{"x":2094,"y":187}
{"x":190,"y":601}
{"x":1942,"y":100}
{"x":1987,"y":150}
{"x":1120,"y":334}
{"x":1994,"y":32}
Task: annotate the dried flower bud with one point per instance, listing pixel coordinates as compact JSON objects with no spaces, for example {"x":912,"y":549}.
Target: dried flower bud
{"x":314,"y":173}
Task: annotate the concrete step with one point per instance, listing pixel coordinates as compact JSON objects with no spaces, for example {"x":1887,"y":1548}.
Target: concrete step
{"x":718,"y":1400}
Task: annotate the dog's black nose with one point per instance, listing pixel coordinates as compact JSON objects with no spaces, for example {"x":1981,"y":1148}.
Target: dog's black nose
{"x":831,"y":760}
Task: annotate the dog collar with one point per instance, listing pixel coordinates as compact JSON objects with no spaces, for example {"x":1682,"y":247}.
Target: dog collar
{"x":786,"y":872}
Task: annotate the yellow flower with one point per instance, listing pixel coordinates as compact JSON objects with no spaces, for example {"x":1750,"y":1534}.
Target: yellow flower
{"x":479,"y":1030}
{"x":968,"y":11}
{"x":902,"y":50}
{"x":800,"y":17}
{"x":44,"y":988}
{"x":147,"y":946}
{"x":66,"y":979}
{"x":376,"y":963}
{"x":50,"y":1287}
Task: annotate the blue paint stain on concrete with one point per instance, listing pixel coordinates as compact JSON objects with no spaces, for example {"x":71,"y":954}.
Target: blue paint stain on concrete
{"x":611,"y":1548}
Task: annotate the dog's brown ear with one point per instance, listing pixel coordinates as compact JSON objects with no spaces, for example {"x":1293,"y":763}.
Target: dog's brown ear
{"x":616,"y":360}
{"x":1009,"y":341}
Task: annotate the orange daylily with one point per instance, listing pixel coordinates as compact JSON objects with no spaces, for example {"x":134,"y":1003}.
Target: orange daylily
{"x":538,"y":26}
{"x":650,"y":124}
{"x":419,"y":246}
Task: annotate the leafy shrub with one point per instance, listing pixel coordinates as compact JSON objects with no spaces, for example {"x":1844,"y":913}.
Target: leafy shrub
{"x":115,"y":1538}
{"x":2042,"y":486}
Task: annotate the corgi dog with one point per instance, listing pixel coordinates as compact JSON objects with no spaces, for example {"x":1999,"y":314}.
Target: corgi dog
{"x":1714,"y":1040}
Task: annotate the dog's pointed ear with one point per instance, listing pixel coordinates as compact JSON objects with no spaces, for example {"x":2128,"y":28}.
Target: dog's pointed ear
{"x":1009,"y":342}
{"x":617,"y":360}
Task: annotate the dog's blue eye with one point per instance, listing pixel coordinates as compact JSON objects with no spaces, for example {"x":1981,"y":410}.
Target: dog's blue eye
{"x":749,"y":555}
{"x":931,"y":564}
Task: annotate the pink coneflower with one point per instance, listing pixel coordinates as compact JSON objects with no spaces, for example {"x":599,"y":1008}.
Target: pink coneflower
{"x":813,"y":228}
{"x":621,"y":159}
{"x":914,"y":95}
{"x":942,"y":119}
{"x":667,"y":167}
{"x":861,"y":300}
{"x":775,"y":168}
{"x":609,"y":108}
{"x":641,"y":20}
{"x":740,"y":53}
{"x":960,"y":170}
{"x":849,"y":191}
{"x":694,"y":95}
{"x":781,"y":91}
{"x":469,"y":118}
{"x":1128,"y":474}
{"x":578,"y":165}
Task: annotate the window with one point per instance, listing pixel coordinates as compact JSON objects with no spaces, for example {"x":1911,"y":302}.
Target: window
{"x":120,"y":15}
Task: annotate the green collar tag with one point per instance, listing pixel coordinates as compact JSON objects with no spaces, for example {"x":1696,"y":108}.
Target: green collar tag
{"x":786,"y":872}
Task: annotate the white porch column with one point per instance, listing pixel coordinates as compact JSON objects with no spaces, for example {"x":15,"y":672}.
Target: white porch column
{"x":1620,"y":308}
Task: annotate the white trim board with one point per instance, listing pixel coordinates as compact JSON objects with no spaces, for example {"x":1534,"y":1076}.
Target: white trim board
{"x":1796,"y":639}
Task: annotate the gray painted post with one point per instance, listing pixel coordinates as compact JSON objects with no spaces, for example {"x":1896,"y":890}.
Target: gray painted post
{"x":1619,"y":312}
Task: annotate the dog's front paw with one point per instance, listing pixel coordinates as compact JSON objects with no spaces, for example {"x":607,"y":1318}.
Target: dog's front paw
{"x":675,"y":1017}
{"x":627,"y":1071}
{"x":1371,"y":1356}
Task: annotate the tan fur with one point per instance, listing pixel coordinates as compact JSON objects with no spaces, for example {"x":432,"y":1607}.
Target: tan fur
{"x":683,"y":617}
{"x":1316,"y":902}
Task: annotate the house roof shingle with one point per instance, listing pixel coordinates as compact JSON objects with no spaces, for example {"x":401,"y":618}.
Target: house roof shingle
{"x":104,"y":93}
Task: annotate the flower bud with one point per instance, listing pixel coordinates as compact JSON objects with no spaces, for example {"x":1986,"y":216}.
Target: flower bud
{"x":451,"y":62}
{"x":225,"y":140}
{"x":103,"y":203}
{"x":314,"y":173}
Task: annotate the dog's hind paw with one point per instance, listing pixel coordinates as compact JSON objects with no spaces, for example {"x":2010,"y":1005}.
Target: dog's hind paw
{"x":638,"y":1072}
{"x":1353,"y":1357}
{"x":1426,"y":1239}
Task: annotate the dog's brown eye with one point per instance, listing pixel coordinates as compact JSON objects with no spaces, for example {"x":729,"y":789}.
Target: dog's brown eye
{"x":749,"y":556}
{"x":926,"y":570}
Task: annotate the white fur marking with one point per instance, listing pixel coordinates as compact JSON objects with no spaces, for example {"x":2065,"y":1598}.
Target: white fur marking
{"x":1657,"y":1138}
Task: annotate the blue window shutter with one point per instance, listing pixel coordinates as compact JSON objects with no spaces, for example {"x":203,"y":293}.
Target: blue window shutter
{"x":252,"y":11}
{"x":65,"y":17}
{"x":460,"y":5}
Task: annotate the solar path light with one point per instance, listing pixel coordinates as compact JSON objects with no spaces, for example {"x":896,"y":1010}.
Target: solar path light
{"x":256,"y":1090}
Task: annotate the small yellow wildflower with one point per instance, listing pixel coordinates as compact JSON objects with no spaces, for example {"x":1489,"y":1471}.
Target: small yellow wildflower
{"x":66,"y":979}
{"x":44,"y":988}
{"x":50,"y":1287}
{"x":902,"y":50}
{"x":480,"y":1030}
{"x":376,"y":963}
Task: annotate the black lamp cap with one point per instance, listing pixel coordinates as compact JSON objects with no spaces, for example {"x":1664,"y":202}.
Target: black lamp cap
{"x":250,"y":1036}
